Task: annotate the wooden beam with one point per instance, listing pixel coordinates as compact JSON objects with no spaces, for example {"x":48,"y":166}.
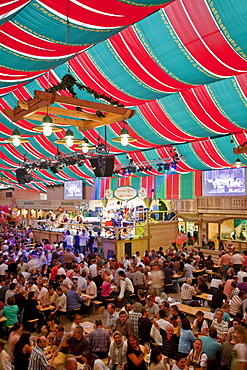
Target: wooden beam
{"x":9,"y":112}
{"x":27,"y":104}
{"x":70,"y":113}
{"x":82,"y":103}
{"x":240,"y":150}
{"x":110,"y":118}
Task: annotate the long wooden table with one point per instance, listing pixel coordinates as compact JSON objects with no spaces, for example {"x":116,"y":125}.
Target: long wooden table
{"x":193,"y":310}
{"x":205,"y":297}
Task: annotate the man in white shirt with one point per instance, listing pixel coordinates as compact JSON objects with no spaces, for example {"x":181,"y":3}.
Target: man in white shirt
{"x":93,"y":269}
{"x":61,"y":270}
{"x":31,"y":287}
{"x":60,"y":303}
{"x":125,"y":285}
{"x":3,"y":267}
{"x":83,"y":241}
{"x":155,"y":334}
{"x":237,"y":260}
{"x":91,"y":288}
{"x":241,"y":274}
{"x":84,"y":267}
{"x":43,"y":292}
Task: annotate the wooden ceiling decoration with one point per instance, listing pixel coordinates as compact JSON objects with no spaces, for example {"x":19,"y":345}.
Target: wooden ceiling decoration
{"x":36,"y":108}
{"x":241,"y":149}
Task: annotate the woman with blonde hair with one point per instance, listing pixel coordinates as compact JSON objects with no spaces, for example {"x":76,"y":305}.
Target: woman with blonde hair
{"x":135,"y":356}
{"x":239,"y":361}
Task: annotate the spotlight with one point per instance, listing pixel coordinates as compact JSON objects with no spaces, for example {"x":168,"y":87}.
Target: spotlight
{"x":80,"y":163}
{"x":126,"y":171}
{"x":159,"y":165}
{"x":174,"y":165}
{"x":57,"y":167}
{"x":140,"y":169}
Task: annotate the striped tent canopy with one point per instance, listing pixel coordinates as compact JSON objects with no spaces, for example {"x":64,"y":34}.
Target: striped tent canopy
{"x":180,"y":64}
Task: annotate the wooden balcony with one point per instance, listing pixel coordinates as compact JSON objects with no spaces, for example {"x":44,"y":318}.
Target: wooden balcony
{"x":220,"y":205}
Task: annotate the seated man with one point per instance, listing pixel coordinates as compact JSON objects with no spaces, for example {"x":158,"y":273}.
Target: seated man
{"x":175,"y":314}
{"x":123,"y":324}
{"x":209,"y":344}
{"x":181,"y":362}
{"x":77,"y":321}
{"x":220,"y":325}
{"x":144,"y":326}
{"x":76,"y":344}
{"x":152,"y":307}
{"x":56,"y":338}
{"x":187,"y":292}
{"x":74,"y":301}
{"x":60,"y":303}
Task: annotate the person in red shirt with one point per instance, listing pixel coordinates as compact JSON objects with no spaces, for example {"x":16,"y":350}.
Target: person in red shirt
{"x":54,"y":270}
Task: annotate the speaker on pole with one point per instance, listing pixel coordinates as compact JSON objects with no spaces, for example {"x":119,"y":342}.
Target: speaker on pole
{"x":102,"y":165}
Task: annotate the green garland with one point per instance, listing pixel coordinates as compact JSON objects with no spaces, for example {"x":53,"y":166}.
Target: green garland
{"x":68,"y":82}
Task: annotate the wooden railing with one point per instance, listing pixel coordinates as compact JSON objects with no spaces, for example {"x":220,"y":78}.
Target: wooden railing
{"x":209,"y":204}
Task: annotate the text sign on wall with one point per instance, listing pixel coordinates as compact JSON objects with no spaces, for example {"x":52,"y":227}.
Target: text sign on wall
{"x":125,"y":192}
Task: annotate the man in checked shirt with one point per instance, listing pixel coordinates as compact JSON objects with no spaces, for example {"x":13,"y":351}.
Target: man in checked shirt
{"x":99,"y":340}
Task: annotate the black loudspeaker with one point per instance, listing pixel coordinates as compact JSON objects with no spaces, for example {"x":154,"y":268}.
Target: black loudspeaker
{"x":102,"y":165}
{"x":22,"y":176}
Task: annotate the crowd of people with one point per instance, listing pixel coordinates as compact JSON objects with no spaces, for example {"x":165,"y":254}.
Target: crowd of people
{"x":46,"y":290}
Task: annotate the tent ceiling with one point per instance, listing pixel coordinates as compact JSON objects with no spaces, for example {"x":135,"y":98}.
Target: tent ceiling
{"x":182,"y":65}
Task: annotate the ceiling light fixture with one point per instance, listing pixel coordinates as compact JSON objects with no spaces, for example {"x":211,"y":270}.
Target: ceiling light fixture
{"x":69,"y":139}
{"x":124,"y":137}
{"x":47,"y":127}
{"x":238,"y":163}
{"x":86,"y":146}
{"x":15,"y":138}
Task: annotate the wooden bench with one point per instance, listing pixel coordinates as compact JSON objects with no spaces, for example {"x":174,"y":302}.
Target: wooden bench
{"x":31,"y":324}
{"x":168,"y":288}
{"x":96,"y":305}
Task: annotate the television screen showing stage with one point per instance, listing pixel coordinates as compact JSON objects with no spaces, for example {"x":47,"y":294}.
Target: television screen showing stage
{"x":230,"y":181}
{"x":73,"y":189}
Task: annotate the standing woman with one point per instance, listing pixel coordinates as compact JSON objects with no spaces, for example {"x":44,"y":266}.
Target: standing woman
{"x":240,"y":350}
{"x":186,"y":338}
{"x":22,"y":351}
{"x":135,"y":356}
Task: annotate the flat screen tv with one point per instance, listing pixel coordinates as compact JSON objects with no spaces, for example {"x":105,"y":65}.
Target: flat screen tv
{"x":226,"y":182}
{"x":73,"y":189}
